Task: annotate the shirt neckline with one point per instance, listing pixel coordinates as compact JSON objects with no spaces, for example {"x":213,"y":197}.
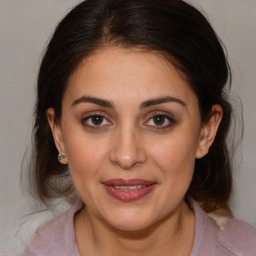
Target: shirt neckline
{"x":200,"y":223}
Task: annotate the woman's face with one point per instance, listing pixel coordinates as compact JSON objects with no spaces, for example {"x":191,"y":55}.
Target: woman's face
{"x":130,"y":132}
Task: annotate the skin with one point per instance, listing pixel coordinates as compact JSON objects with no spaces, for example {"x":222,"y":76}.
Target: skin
{"x":127,"y":142}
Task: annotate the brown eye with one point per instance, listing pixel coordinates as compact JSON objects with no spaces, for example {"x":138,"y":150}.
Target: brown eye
{"x":97,"y":120}
{"x":159,"y":120}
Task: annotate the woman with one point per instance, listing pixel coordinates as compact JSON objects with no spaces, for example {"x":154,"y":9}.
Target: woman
{"x":132,"y":105}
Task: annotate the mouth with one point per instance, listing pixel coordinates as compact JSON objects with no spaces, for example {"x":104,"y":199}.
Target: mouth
{"x":128,"y":190}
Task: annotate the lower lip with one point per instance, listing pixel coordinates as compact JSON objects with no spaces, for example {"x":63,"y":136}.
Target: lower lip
{"x":129,"y":195}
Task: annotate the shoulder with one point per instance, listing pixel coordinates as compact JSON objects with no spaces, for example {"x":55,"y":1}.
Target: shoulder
{"x":47,"y":240}
{"x":56,"y":237}
{"x":238,"y":237}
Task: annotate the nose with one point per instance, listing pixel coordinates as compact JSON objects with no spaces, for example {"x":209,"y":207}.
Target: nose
{"x":127,"y":149}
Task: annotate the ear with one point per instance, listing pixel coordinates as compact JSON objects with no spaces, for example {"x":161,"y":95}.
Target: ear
{"x":209,"y":130}
{"x":57,"y":134}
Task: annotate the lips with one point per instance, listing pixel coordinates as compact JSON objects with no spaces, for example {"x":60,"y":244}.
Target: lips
{"x":128,"y":190}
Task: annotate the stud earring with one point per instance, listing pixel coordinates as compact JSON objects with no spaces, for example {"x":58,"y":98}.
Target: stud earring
{"x":60,"y":157}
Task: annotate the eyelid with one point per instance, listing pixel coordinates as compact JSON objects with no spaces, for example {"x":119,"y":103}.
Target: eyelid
{"x":93,"y":114}
{"x":168,"y":116}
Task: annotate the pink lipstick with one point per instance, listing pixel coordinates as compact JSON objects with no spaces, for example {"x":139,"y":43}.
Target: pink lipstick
{"x":128,"y":190}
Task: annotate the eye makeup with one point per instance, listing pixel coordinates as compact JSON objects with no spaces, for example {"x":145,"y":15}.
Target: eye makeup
{"x":160,"y":120}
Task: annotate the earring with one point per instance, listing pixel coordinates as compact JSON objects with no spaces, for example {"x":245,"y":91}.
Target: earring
{"x":60,"y":157}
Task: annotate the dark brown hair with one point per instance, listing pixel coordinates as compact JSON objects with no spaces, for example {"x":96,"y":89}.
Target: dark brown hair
{"x":171,"y":28}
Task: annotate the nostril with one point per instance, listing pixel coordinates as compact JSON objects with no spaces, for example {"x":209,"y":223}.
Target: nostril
{"x":129,"y":163}
{"x":126,"y":149}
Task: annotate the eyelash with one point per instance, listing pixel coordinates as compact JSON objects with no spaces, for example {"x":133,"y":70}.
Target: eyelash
{"x":93,"y":126}
{"x":171,"y":121}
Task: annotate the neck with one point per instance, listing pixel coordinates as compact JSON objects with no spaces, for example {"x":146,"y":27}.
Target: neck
{"x":173,"y":235}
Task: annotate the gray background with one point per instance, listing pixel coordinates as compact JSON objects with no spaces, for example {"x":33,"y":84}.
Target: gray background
{"x":25,"y":26}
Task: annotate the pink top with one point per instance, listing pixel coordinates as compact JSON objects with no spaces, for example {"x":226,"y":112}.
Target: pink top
{"x":57,"y":238}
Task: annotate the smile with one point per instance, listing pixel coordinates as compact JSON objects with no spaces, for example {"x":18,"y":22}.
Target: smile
{"x":128,"y":190}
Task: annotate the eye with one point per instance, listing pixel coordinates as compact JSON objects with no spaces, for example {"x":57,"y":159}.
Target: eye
{"x":160,"y":121}
{"x":95,"y":121}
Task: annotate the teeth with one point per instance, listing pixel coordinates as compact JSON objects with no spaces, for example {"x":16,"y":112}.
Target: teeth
{"x":127,"y":188}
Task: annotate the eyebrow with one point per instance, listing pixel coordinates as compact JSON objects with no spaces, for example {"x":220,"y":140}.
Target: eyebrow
{"x":157,"y":101}
{"x":97,"y":101}
{"x":145,"y":104}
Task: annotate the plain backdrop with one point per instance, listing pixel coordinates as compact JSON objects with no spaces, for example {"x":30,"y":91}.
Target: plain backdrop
{"x":25,"y":27}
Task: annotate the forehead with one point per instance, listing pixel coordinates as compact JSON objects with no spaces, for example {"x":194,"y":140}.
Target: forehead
{"x":128,"y":75}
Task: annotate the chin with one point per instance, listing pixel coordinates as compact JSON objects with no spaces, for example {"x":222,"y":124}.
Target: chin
{"x":132,"y":220}
{"x":130,"y":226}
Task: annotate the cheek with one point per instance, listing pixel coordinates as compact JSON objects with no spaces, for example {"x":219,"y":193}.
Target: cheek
{"x":176,"y":150}
{"x":175,"y":155}
{"x":85,"y":156}
{"x":86,"y":159}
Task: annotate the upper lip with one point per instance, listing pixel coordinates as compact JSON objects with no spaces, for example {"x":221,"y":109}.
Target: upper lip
{"x":129,"y":182}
